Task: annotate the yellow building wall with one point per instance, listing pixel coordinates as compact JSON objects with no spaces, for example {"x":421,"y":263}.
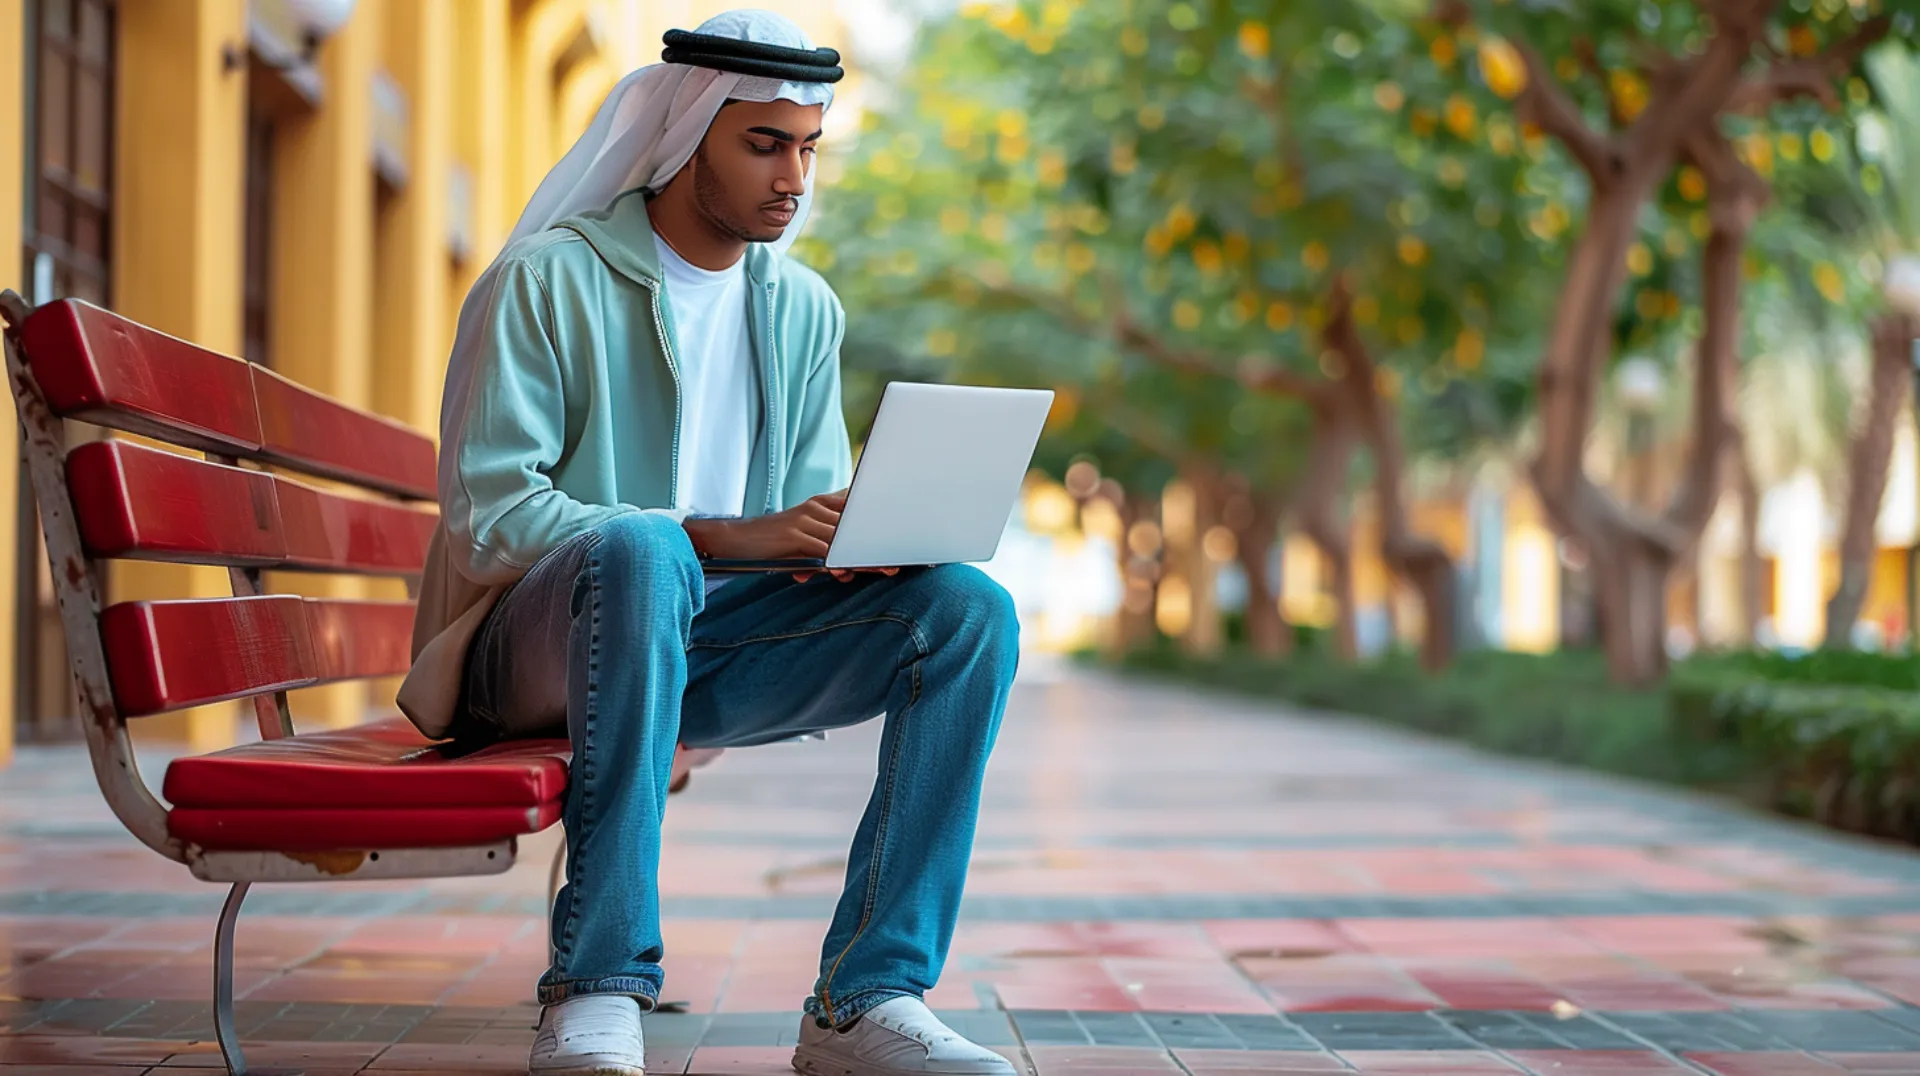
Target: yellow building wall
{"x":177,"y":239}
{"x":1886,"y":603}
{"x":323,"y":280}
{"x":481,"y":32}
{"x":12,"y":172}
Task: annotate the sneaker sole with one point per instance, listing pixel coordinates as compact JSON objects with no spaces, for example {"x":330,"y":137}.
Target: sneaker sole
{"x":817,"y":1066}
{"x":591,"y":1070}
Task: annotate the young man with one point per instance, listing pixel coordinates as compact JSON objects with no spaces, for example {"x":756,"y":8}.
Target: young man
{"x":640,"y":381}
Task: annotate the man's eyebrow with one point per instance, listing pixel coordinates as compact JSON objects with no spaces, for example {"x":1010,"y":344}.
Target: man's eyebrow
{"x":784,"y":136}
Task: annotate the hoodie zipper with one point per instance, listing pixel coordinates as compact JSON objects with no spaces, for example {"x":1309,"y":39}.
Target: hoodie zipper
{"x":679,"y":393}
{"x":772,"y":369}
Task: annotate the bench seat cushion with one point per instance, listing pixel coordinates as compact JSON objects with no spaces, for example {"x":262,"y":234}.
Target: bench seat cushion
{"x":335,"y":829}
{"x":381,"y":764}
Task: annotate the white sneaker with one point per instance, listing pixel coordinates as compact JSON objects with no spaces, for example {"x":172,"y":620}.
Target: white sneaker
{"x":896,"y":1038}
{"x":595,"y":1035}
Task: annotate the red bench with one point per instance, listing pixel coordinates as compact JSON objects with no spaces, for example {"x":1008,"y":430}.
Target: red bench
{"x":375,"y":801}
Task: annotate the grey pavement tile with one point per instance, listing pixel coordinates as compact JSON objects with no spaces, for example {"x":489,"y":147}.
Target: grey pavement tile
{"x":1695,"y":1031}
{"x":987,"y":1027}
{"x":1049,"y":1027}
{"x":1380,"y":1031}
{"x":1116,"y":1029}
{"x":1836,"y":1030}
{"x":1191,"y":1031}
{"x":1536,"y":1031}
{"x":1258,"y":1032}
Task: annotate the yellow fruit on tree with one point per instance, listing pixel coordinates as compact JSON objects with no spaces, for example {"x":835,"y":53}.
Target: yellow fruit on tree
{"x":1501,"y":67}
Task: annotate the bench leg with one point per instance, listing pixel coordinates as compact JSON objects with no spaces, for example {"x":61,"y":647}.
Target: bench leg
{"x":223,"y":989}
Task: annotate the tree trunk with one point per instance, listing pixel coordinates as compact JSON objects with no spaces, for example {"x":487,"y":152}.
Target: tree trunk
{"x":1268,"y":633}
{"x":1417,"y":561}
{"x":1867,"y":465}
{"x":1632,"y":590}
{"x":1322,"y":491}
{"x":1206,"y":633}
{"x":1134,"y":628}
{"x":1632,"y":555}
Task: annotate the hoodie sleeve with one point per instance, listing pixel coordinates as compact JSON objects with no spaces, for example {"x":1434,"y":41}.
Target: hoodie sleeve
{"x":822,"y":457}
{"x":504,"y":513}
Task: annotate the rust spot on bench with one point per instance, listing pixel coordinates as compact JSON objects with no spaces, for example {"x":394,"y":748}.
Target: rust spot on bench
{"x":335,"y":863}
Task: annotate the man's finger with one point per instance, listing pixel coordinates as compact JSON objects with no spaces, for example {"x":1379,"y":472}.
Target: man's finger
{"x":843,"y":574}
{"x":801,"y":577}
{"x":820,"y":510}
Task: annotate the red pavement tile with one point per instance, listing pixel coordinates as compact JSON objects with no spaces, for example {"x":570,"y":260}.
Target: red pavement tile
{"x":78,"y":1050}
{"x":1339,"y":984}
{"x":1902,"y":1064}
{"x":1464,"y":937}
{"x":1764,"y":1064}
{"x":1649,"y":994}
{"x":1101,"y":1061}
{"x":1187,"y":986}
{"x":460,"y":1057}
{"x":1483,"y":985}
{"x":1427,"y":1063}
{"x":307,"y":1056}
{"x":1265,"y":1062}
{"x":1279,"y":937}
{"x":1598,"y":1063}
{"x":735,"y":1060}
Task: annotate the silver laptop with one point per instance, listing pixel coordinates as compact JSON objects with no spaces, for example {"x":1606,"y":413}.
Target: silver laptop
{"x":937,"y":480}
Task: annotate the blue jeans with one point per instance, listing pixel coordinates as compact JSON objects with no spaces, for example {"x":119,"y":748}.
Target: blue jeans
{"x":614,"y":634}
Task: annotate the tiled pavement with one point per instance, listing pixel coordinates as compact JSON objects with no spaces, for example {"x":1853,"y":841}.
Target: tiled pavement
{"x":1164,"y":883}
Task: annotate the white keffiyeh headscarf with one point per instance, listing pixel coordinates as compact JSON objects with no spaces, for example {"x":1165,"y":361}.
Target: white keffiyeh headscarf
{"x":645,"y":132}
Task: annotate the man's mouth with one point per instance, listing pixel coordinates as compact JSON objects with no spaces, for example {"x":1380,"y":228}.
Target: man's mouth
{"x":780,"y":211}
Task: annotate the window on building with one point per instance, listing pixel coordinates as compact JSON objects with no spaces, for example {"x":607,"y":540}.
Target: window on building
{"x":69,"y":209}
{"x":257,"y":301}
{"x":68,"y":241}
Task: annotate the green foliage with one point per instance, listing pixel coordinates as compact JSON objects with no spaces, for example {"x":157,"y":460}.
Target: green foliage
{"x":1836,"y":735}
{"x":1206,"y":169}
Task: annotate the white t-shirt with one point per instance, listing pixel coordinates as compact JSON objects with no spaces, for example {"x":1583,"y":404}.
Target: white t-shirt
{"x":719,"y":401}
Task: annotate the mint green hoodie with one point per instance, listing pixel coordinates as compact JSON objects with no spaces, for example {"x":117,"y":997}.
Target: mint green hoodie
{"x":574,"y":412}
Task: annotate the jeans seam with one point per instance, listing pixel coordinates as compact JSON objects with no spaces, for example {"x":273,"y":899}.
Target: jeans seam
{"x":802,"y":633}
{"x":872,"y":895}
{"x":563,"y":950}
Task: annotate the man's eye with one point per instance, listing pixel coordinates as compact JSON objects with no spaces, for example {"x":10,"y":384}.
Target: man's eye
{"x":769,"y":148}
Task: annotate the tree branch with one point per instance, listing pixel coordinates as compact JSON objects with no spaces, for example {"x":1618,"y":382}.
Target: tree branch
{"x":1546,"y":104}
{"x":1696,"y":90}
{"x":1811,"y":76}
{"x":1735,"y":196}
{"x":1251,"y":372}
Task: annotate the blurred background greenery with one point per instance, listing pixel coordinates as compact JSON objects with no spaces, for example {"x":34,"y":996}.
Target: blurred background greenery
{"x":1468,"y":364}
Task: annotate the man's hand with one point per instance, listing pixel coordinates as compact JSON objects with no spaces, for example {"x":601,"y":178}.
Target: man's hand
{"x":805,"y":530}
{"x":801,"y":531}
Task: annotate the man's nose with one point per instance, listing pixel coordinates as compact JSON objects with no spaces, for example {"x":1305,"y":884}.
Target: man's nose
{"x":791,"y":180}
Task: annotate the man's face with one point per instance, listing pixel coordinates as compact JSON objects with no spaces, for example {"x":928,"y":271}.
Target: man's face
{"x":753,"y":165}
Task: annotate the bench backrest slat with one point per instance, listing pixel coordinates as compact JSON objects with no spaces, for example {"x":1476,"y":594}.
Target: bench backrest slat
{"x":169,"y":655}
{"x":144,"y":503}
{"x":99,"y":367}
